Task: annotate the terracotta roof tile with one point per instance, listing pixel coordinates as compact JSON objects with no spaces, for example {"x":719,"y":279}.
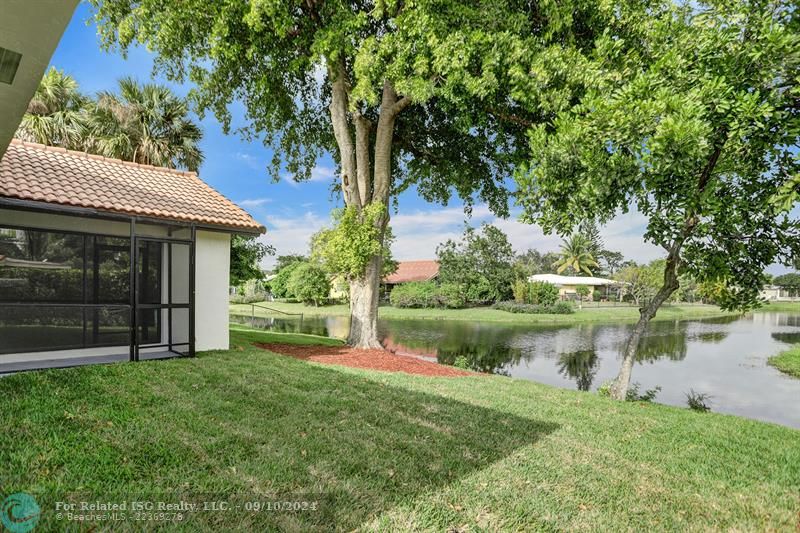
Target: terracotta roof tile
{"x":30,"y":171}
{"x":413,"y":271}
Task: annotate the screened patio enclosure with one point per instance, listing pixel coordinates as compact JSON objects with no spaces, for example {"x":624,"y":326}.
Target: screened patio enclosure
{"x":103,"y":260}
{"x":73,"y":297}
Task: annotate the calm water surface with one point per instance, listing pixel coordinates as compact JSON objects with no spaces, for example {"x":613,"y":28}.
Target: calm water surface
{"x":723,"y":357}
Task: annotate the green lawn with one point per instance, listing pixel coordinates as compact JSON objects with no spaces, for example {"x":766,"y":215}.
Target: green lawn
{"x":485,"y":314}
{"x":787,"y":362}
{"x":791,"y":307}
{"x":385,"y":452}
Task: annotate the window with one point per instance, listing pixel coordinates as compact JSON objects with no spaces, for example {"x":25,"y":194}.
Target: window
{"x":63,"y":290}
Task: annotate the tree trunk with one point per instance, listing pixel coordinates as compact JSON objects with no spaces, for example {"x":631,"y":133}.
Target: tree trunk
{"x":364,"y":308}
{"x":619,"y":390}
{"x":354,"y":136}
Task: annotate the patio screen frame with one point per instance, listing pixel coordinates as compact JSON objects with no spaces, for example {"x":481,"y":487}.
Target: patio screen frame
{"x":133,"y":306}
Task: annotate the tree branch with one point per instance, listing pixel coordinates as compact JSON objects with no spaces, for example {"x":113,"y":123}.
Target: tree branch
{"x":340,"y":91}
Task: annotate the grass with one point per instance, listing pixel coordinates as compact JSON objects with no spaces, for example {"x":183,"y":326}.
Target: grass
{"x":384,"y":452}
{"x":780,"y":306}
{"x":788,"y":361}
{"x":486,"y":314}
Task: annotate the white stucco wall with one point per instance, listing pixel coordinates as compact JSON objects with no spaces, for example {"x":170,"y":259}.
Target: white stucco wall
{"x":212,"y":259}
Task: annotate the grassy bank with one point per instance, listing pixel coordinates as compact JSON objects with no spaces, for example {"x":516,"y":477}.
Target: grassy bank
{"x":485,"y":314}
{"x":789,"y":307}
{"x":787,"y":362}
{"x":384,"y":451}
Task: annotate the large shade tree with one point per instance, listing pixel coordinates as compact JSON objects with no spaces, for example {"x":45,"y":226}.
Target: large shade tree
{"x":426,"y":93}
{"x":695,"y":123}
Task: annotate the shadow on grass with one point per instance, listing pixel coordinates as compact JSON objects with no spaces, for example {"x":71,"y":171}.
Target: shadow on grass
{"x":238,"y":426}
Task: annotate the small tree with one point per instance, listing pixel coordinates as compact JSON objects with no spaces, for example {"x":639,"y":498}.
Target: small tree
{"x":641,"y":282}
{"x":279,"y":286}
{"x":695,"y":121}
{"x":576,"y":255}
{"x":309,"y":283}
{"x":542,"y":293}
{"x":481,"y":263}
{"x":246,"y":256}
{"x":582,"y":291}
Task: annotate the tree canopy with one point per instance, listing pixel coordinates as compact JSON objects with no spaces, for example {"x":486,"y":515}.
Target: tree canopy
{"x":246,"y":256}
{"x":791,"y":279}
{"x":695,"y":123}
{"x":480,"y":264}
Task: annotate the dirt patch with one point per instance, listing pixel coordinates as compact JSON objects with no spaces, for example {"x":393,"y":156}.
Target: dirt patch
{"x":369,"y":359}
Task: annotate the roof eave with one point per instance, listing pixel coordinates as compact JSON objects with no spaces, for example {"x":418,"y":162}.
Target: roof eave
{"x":48,"y":207}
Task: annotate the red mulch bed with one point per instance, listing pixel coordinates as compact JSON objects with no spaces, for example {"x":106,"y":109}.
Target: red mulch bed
{"x":370,"y":359}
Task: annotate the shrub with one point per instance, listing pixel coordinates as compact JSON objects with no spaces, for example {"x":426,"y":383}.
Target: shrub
{"x":558,"y":308}
{"x":449,"y":296}
{"x":521,"y":291}
{"x":427,"y":294}
{"x":248,"y":298}
{"x":309,"y":283}
{"x":649,"y":395}
{"x":415,"y":294}
{"x":633,"y":394}
{"x":461,"y":362}
{"x":543,"y":293}
{"x":597,"y":295}
{"x":698,"y":401}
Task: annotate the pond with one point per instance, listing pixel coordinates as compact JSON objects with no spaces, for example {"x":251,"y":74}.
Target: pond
{"x":723,"y":357}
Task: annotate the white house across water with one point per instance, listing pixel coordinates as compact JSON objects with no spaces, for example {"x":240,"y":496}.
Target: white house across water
{"x":103,"y":260}
{"x":567,"y":285}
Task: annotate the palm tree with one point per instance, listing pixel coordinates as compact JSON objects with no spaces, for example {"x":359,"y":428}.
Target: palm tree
{"x":56,"y":113}
{"x":575,"y":255}
{"x":145,"y":123}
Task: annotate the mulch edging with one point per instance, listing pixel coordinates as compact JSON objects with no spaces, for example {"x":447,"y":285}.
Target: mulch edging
{"x":368,"y":359}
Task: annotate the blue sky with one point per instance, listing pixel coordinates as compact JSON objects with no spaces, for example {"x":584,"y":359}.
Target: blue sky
{"x":293,"y":211}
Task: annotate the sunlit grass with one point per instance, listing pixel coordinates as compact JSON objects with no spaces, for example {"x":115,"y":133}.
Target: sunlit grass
{"x":385,"y":452}
{"x":787,"y":362}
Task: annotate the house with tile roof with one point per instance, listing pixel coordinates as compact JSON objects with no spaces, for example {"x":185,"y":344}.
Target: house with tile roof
{"x":408,"y":271}
{"x":104,"y":260}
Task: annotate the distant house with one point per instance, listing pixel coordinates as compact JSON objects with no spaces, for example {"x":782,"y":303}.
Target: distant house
{"x":408,"y":271}
{"x":567,"y":285}
{"x":777,"y":293}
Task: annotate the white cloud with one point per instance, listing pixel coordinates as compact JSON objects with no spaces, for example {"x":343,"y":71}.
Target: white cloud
{"x":319,"y":174}
{"x":254,"y":202}
{"x":290,"y":234}
{"x":248,"y":159}
{"x":418,"y":233}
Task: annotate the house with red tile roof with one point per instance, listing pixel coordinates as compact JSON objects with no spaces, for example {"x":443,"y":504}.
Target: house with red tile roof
{"x":413,"y":271}
{"x":104,"y":260}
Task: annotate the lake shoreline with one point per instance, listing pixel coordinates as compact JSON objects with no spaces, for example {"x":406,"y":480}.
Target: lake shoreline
{"x":588,"y":314}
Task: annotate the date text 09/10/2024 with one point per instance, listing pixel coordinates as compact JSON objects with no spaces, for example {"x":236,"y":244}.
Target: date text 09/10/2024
{"x":185,"y":506}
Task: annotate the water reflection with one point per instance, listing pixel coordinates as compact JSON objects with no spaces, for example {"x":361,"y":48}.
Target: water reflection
{"x":580,"y":366}
{"x":789,"y":337}
{"x":725,"y":357}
